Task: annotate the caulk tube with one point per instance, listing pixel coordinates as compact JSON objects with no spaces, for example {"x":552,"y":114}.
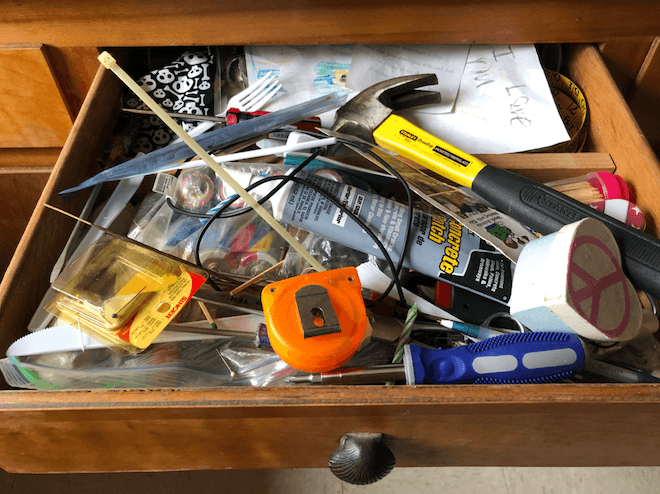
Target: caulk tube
{"x":441,"y":248}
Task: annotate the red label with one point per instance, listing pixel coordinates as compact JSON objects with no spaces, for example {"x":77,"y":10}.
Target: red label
{"x":242,"y":241}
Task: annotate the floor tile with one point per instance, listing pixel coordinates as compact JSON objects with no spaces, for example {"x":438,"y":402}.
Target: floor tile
{"x":603,"y":480}
{"x":447,"y":480}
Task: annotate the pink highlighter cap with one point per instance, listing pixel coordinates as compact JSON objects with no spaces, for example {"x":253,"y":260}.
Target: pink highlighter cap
{"x":610,"y":186}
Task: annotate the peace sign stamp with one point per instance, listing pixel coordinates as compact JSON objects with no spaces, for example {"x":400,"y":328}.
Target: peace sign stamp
{"x":573,"y":281}
{"x":598,"y":287}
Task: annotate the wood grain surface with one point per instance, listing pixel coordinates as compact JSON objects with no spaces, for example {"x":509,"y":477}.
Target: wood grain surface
{"x":551,"y":425}
{"x":644,"y":97}
{"x":166,"y":22}
{"x":74,"y":68}
{"x":28,"y":157}
{"x":612,"y":128}
{"x":20,"y":190}
{"x":47,"y":231}
{"x":33,"y":113}
{"x":624,"y":60}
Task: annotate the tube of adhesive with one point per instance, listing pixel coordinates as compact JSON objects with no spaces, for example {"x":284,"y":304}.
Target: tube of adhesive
{"x":441,"y":247}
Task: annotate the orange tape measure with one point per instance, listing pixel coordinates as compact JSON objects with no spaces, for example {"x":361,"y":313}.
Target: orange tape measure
{"x":317,"y":321}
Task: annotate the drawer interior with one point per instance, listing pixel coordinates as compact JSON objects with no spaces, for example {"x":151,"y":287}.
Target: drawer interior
{"x":551,"y":424}
{"x":611,"y":130}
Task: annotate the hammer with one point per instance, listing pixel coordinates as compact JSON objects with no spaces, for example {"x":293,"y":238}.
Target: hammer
{"x":370,"y":117}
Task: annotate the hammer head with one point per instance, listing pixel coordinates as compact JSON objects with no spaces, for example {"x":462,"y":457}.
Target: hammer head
{"x":366,"y":111}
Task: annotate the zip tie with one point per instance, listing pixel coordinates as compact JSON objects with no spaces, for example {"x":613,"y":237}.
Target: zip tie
{"x":111,"y":64}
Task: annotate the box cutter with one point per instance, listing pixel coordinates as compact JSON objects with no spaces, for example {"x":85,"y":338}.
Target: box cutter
{"x":317,"y":321}
{"x":369,"y":116}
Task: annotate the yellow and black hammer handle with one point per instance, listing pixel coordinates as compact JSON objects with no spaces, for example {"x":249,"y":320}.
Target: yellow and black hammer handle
{"x":533,"y":204}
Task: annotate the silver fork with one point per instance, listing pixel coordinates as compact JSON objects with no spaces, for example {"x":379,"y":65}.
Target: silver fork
{"x":252,"y":98}
{"x":256,"y":95}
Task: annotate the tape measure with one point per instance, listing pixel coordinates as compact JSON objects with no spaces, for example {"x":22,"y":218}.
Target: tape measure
{"x":316,"y":321}
{"x":572,"y":107}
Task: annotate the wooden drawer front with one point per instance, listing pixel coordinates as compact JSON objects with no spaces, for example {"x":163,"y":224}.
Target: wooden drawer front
{"x":299,"y":427}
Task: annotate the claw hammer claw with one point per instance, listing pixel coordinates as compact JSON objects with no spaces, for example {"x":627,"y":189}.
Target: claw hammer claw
{"x":365,"y":112}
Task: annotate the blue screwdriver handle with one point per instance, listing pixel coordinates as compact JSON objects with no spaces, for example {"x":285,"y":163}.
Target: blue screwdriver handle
{"x":511,"y":358}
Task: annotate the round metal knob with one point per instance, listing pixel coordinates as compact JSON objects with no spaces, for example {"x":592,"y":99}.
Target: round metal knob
{"x":361,"y":458}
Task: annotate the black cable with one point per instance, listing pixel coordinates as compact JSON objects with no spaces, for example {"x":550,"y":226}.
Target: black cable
{"x":327,"y":196}
{"x":408,"y":239}
{"x":246,"y":209}
{"x":406,"y":187}
{"x":396,"y":270}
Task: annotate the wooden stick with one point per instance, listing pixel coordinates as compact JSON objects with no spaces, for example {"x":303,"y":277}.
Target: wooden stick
{"x":257,"y":278}
{"x":110,"y":63}
{"x":207,"y":314}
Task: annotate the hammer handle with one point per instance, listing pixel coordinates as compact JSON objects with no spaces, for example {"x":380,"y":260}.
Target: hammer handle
{"x":535,"y":205}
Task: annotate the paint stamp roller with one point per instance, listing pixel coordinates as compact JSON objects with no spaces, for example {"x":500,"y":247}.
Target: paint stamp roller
{"x":572,"y":281}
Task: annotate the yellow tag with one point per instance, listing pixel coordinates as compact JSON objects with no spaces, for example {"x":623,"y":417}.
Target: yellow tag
{"x":264,"y":243}
{"x":141,"y":283}
{"x":161,"y":308}
{"x":153,"y":318}
{"x":409,"y":141}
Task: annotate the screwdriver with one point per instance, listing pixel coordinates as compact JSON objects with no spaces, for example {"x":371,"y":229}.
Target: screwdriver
{"x":507,"y":359}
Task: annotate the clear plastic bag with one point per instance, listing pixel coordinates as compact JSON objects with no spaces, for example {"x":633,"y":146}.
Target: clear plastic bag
{"x":204,"y":363}
{"x":331,"y":255}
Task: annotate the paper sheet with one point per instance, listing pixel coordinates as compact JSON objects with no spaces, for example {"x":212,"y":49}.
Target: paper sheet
{"x":375,"y":63}
{"x":504,"y":104}
{"x":305,"y":72}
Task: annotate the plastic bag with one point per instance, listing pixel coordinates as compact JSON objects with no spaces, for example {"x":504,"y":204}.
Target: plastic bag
{"x":203,"y":363}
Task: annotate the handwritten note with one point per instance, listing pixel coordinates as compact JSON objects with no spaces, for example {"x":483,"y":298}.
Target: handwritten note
{"x":375,"y":63}
{"x":504,"y":104}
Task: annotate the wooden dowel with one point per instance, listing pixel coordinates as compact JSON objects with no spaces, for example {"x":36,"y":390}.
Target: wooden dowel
{"x":257,"y":278}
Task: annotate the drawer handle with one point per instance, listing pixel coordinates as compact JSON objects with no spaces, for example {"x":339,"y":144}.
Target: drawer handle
{"x":361,"y":458}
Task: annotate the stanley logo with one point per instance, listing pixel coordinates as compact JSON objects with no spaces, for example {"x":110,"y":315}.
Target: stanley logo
{"x":563,"y":210}
{"x":407,"y":134}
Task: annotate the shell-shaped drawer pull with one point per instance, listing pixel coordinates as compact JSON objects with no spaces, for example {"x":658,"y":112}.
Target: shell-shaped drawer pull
{"x":361,"y":458}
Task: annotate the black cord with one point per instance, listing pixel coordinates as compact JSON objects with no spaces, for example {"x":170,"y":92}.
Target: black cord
{"x":408,"y":239}
{"x":396,"y":270}
{"x":327,"y":196}
{"x":406,"y":187}
{"x":229,"y":201}
{"x":246,"y":209}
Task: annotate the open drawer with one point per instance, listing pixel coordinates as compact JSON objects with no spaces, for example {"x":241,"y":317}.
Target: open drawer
{"x":287,"y":427}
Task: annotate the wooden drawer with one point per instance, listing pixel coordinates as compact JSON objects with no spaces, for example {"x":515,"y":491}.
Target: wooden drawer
{"x":169,"y":429}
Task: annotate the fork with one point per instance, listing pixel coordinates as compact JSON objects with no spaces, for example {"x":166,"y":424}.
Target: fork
{"x":252,"y":98}
{"x":255,"y":96}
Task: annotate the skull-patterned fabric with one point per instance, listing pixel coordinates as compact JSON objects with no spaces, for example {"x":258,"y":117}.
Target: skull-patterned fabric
{"x":184,"y":86}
